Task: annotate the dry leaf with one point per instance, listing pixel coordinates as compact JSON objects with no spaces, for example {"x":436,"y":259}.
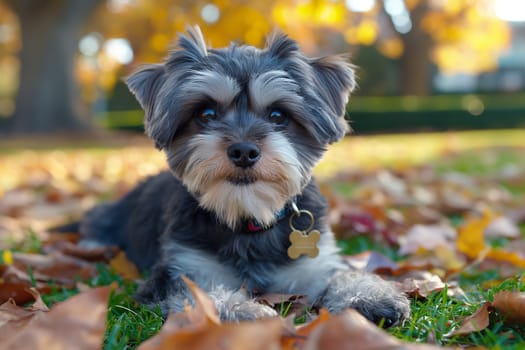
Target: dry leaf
{"x":15,"y":284}
{"x":77,"y":323}
{"x":300,"y":335}
{"x":293,"y":304}
{"x":427,"y":238}
{"x":422,"y":285}
{"x":124,"y":267}
{"x":55,"y":267}
{"x":515,"y":258}
{"x":476,"y":322}
{"x":502,"y":227}
{"x":511,"y":305}
{"x":200,"y":328}
{"x":350,"y":330}
{"x":203,"y":302}
{"x":471,"y":237}
{"x":99,"y":254}
{"x":370,"y":261}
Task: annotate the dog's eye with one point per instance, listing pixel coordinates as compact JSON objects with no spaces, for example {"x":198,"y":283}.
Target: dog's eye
{"x":277,"y":117}
{"x":207,"y":114}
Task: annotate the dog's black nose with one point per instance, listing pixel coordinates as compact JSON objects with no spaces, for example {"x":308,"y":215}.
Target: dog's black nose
{"x":244,"y":154}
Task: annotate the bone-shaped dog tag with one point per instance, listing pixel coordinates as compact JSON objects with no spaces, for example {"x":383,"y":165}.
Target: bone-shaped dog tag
{"x":304,"y":243}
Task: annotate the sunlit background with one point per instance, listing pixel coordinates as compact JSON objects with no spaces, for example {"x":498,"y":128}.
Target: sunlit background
{"x":461,"y":58}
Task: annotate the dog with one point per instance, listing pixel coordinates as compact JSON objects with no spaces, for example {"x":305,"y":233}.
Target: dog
{"x":241,"y":128}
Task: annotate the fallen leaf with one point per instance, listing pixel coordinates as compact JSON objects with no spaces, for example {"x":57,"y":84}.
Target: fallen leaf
{"x":511,"y":305}
{"x":96,"y":254}
{"x":370,"y":261}
{"x":39,"y":303}
{"x":77,"y":323}
{"x":300,"y":335}
{"x":350,"y":330}
{"x":423,"y":285}
{"x":427,"y":238}
{"x":13,"y":318}
{"x":502,"y":227}
{"x":515,"y":258}
{"x":476,"y":322}
{"x":55,"y":267}
{"x":15,"y":284}
{"x":200,"y":328}
{"x":203,"y":303}
{"x":471,"y":236}
{"x":124,"y":267}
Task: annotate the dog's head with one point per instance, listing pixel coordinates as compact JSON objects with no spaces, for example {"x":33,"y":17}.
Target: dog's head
{"x":243,"y":127}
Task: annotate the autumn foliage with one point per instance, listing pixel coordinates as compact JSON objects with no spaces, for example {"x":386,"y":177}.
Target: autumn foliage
{"x":431,"y":230}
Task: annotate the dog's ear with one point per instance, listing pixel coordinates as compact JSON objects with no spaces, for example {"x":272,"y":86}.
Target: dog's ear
{"x":192,"y":49}
{"x":145,"y":84}
{"x":280,"y":45}
{"x":334,"y":76}
{"x":194,"y":43}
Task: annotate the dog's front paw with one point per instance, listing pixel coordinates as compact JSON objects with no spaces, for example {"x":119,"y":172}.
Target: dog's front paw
{"x":247,"y":311}
{"x":376,"y":299}
{"x":237,"y":306}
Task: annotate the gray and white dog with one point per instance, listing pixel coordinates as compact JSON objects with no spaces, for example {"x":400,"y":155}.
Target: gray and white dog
{"x":242,"y":129}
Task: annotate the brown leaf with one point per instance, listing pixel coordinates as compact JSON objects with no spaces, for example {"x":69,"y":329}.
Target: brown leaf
{"x":55,"y":267}
{"x":39,"y":303}
{"x":99,"y":254}
{"x":53,"y":237}
{"x":350,"y":330}
{"x":502,"y":226}
{"x":13,"y":319}
{"x":124,"y":267}
{"x":200,"y":328}
{"x":15,"y":284}
{"x":422,"y":285}
{"x":370,"y":261}
{"x":427,"y":237}
{"x":203,"y":303}
{"x":293,"y":304}
{"x":476,"y":322}
{"x":297,"y":339}
{"x":77,"y":323}
{"x":511,"y":305}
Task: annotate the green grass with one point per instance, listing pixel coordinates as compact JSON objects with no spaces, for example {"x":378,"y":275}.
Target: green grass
{"x":437,"y":316}
{"x":128,"y":324}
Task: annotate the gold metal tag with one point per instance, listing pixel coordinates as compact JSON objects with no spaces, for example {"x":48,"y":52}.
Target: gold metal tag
{"x":303,"y":242}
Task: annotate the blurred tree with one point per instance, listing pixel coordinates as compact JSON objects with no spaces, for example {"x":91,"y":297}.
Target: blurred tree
{"x":453,"y":35}
{"x":417,"y":35}
{"x":47,"y":98}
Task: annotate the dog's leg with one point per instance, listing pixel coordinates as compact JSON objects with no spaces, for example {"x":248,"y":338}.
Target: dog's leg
{"x":172,"y":294}
{"x":373,"y":297}
{"x":329,"y":283}
{"x":237,"y":306}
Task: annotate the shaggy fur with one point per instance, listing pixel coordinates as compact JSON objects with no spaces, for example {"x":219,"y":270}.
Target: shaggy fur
{"x":242,"y":129}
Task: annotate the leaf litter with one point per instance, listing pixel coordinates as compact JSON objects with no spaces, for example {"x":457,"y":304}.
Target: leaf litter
{"x":440,"y":225}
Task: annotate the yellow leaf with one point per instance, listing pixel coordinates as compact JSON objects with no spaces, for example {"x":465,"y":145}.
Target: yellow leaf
{"x":508,"y":256}
{"x":124,"y":267}
{"x":471,"y":240}
{"x":7,"y":257}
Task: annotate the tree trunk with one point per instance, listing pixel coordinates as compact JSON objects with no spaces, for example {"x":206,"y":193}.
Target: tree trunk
{"x":47,"y":99}
{"x":416,"y":66}
{"x":415,"y":73}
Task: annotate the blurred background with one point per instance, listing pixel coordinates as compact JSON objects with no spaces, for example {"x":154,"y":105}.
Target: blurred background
{"x":423,"y":64}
